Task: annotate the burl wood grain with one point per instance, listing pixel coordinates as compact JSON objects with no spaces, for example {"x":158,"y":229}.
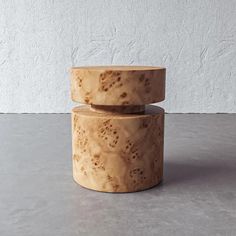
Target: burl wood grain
{"x":118,"y":85}
{"x":117,"y":152}
{"x":118,"y":140}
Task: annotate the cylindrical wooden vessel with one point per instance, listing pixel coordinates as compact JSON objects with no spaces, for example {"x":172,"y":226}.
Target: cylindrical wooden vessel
{"x":118,"y":141}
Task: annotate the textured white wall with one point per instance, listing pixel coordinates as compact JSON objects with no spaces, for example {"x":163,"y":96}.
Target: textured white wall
{"x":41,"y":39}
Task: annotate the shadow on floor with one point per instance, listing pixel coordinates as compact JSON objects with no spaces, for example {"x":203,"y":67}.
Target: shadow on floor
{"x":177,"y":172}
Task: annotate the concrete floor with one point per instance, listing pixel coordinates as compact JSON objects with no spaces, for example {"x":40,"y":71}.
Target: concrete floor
{"x":39,"y":197}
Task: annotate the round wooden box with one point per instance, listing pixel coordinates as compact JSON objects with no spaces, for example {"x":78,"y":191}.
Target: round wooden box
{"x":118,"y":139}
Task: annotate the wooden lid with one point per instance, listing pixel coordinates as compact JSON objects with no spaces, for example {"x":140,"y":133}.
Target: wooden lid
{"x":118,"y":85}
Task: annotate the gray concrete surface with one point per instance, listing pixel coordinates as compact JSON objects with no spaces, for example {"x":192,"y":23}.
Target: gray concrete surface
{"x":39,"y":197}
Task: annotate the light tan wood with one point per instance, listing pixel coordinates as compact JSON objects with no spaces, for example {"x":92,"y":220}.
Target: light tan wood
{"x":118,"y":85}
{"x":118,"y":140}
{"x":117,"y":153}
{"x":118,"y":109}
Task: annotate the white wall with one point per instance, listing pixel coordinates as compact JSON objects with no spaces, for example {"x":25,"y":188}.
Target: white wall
{"x":41,"y":39}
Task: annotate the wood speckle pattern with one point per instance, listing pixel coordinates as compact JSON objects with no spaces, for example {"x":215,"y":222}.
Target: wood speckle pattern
{"x":117,"y":153}
{"x":118,"y":85}
{"x":118,"y":140}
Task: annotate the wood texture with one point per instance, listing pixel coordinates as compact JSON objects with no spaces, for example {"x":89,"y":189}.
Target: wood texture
{"x":118,"y":85}
{"x":117,"y":153}
{"x":118,"y":140}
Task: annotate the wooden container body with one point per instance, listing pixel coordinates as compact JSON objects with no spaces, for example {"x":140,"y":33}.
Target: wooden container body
{"x":117,"y":152}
